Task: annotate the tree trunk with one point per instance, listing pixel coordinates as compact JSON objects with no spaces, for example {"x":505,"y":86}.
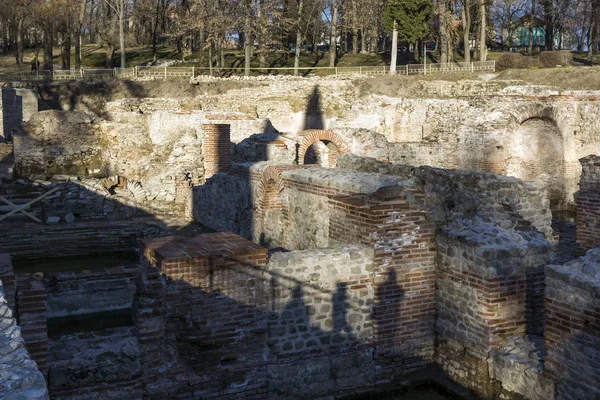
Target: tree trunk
{"x":222,"y":51}
{"x":19,"y":38}
{"x":298,"y":37}
{"x":333,"y":35}
{"x":155,"y":31}
{"x":122,"y":32}
{"x":443,"y":31}
{"x":483,"y":28}
{"x":531,"y":23}
{"x":549,"y":24}
{"x":592,"y":36}
{"x":374,"y":36}
{"x":210,"y":59}
{"x":66,"y":51}
{"x":109,"y":56}
{"x":201,"y":40}
{"x":363,"y":41}
{"x":394,"y":50}
{"x":354,"y":40}
{"x":247,"y":40}
{"x":48,"y":44}
{"x":466,"y":21}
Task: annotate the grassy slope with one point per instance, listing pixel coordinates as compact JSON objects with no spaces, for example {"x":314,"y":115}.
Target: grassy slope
{"x":582,"y":78}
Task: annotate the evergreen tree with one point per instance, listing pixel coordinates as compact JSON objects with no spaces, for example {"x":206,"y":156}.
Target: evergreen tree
{"x":412,"y":18}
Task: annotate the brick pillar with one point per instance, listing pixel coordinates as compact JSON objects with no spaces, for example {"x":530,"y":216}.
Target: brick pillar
{"x":393,"y":222}
{"x":31,"y":308}
{"x":216,"y":148}
{"x":588,"y":204}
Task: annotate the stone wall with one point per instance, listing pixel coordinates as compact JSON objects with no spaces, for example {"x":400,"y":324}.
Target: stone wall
{"x":572,"y":331}
{"x":59,"y":142}
{"x":588,"y":204}
{"x":489,"y":288}
{"x":21,"y":378}
{"x":16,"y":105}
{"x":36,"y":241}
{"x":304,"y":325}
{"x":101,"y":365}
{"x":89,"y":292}
{"x":159,"y":166}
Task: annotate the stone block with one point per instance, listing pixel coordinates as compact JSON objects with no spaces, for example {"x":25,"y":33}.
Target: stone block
{"x":53,"y":220}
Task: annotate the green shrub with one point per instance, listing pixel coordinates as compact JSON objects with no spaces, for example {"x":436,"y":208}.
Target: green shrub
{"x":551,"y":59}
{"x":514,"y":60}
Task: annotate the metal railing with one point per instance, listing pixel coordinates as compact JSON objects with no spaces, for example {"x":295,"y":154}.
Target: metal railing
{"x":193,"y":72}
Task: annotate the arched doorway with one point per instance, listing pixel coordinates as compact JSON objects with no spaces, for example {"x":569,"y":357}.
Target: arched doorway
{"x":321,"y":147}
{"x":537,"y":155}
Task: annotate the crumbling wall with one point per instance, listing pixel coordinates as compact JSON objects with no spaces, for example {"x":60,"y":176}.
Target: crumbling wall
{"x":16,"y":105}
{"x":59,"y":142}
{"x":572,"y":331}
{"x":489,"y":288}
{"x":96,"y":365}
{"x":588,"y":204}
{"x":20,"y":375}
{"x":300,"y":325}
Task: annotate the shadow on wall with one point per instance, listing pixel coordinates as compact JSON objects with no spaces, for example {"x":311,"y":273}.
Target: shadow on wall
{"x":85,"y":95}
{"x":313,"y":118}
{"x":248,"y":328}
{"x":12,"y":113}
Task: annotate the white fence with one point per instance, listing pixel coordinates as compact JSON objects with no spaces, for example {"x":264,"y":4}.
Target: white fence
{"x":192,"y":72}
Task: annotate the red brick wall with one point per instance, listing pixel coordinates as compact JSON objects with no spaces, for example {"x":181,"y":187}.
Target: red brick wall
{"x":588,"y":218}
{"x":404,"y":275}
{"x":588,"y":203}
{"x":216,"y":147}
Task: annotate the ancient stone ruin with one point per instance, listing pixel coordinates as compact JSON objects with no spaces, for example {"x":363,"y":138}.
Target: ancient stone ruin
{"x":299,"y":239}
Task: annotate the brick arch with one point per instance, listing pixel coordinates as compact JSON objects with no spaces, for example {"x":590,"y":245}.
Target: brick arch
{"x":314,"y":135}
{"x":270,"y":187}
{"x":270,"y":198}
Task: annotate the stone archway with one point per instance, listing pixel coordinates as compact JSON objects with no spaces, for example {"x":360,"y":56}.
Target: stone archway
{"x":335,"y":146}
{"x":536,"y":154}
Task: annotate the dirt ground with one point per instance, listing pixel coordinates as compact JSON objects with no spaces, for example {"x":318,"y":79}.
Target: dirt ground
{"x":93,"y":96}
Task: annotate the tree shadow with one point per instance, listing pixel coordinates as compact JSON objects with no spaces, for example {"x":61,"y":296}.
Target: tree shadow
{"x":313,"y":118}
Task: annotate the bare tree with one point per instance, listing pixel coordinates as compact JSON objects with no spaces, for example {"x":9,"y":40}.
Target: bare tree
{"x":118,"y":6}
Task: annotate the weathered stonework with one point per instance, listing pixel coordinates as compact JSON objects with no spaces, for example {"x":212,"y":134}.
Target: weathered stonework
{"x":588,"y":204}
{"x":572,"y":331}
{"x":377,"y":269}
{"x":20,"y":376}
{"x":16,"y":105}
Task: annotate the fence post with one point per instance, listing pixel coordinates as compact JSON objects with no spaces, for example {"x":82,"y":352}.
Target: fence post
{"x":472,"y":67}
{"x":193,"y":72}
{"x":135,"y":72}
{"x":406,"y":69}
{"x":114,"y":72}
{"x":165,"y":73}
{"x":360,"y":70}
{"x":336,"y":70}
{"x":81,"y":72}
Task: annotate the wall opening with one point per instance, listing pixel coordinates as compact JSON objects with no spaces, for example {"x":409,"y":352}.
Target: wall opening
{"x":320,"y":147}
{"x":536,"y":154}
